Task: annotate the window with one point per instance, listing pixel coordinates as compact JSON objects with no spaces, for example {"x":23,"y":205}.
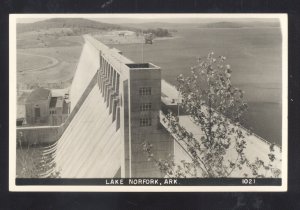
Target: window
{"x":145,"y":122}
{"x":37,"y":112}
{"x":145,"y":107}
{"x":144,"y":91}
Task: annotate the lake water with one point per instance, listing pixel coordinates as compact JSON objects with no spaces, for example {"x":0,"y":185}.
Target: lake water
{"x":253,"y":53}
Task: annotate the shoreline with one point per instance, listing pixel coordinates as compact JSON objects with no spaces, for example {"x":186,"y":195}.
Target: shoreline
{"x":119,"y":40}
{"x":166,"y":38}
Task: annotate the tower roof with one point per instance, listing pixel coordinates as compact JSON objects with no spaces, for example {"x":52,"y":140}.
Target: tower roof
{"x":38,"y":94}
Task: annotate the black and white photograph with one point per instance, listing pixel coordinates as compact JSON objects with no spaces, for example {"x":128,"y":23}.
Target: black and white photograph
{"x":148,"y":102}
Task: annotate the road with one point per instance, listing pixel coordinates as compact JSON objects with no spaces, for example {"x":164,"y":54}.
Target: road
{"x":53,"y":63}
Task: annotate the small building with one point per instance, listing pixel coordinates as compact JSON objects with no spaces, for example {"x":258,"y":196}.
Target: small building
{"x":20,"y":121}
{"x":122,"y":34}
{"x":37,"y":106}
{"x":59,"y":110}
{"x":44,"y":109}
{"x":149,"y":38}
{"x":21,"y":114}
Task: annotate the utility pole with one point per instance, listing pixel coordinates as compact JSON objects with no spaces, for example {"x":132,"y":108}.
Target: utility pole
{"x":178,"y":101}
{"x":142,"y":52}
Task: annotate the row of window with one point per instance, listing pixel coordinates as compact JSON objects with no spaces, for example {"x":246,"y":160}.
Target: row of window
{"x":145,"y":107}
{"x":52,"y":112}
{"x":145,"y":91}
{"x":145,"y":122}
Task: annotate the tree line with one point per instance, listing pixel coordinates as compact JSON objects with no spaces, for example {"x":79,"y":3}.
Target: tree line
{"x":159,"y":32}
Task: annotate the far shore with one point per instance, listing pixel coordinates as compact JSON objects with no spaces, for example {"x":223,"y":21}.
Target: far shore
{"x":129,"y":39}
{"x":168,"y":37}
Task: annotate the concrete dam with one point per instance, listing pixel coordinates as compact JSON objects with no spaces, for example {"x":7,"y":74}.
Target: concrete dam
{"x":116,"y":105}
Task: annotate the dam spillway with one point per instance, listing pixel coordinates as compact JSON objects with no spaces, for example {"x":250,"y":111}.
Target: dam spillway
{"x":104,"y":134}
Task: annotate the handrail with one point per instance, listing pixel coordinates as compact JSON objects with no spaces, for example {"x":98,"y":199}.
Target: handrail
{"x":175,"y":137}
{"x":38,"y":127}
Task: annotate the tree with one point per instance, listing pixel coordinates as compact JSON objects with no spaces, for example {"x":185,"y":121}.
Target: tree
{"x":159,"y":32}
{"x":218,"y":109}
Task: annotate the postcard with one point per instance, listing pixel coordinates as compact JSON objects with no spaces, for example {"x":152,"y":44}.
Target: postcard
{"x":148,"y":102}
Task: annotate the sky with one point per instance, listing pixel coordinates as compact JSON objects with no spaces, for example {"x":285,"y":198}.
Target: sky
{"x":145,"y":19}
{"x":29,"y":20}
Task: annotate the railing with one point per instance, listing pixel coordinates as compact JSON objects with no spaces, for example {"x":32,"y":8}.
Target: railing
{"x":163,"y":116}
{"x":259,"y":137}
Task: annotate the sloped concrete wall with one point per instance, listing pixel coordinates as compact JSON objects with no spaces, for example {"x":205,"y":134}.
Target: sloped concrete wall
{"x":87,"y":67}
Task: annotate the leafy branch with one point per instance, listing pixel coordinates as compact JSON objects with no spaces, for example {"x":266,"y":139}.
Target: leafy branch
{"x":218,"y":108}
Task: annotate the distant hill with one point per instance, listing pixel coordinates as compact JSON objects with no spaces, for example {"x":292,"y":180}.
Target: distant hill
{"x":153,"y":25}
{"x":80,"y":24}
{"x":223,"y":25}
{"x":212,"y":24}
{"x":239,"y":24}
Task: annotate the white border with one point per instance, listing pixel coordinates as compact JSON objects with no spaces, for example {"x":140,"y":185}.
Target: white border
{"x":12,"y":108}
